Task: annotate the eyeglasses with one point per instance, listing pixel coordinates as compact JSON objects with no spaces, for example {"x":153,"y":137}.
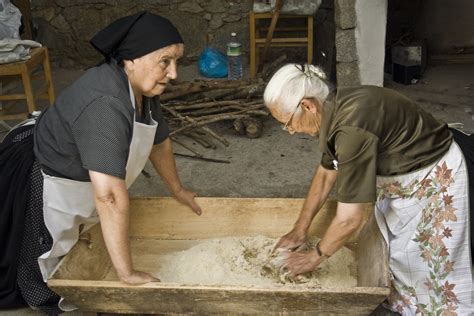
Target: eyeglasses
{"x":285,"y":126}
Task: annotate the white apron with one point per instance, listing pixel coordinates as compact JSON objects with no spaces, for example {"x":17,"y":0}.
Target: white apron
{"x":424,"y":218}
{"x":68,"y":205}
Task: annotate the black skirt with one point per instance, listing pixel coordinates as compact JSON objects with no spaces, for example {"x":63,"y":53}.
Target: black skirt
{"x":16,"y":162}
{"x":23,"y":233}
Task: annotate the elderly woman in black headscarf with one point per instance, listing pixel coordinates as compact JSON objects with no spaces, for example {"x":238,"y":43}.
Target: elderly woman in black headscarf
{"x":88,"y":149}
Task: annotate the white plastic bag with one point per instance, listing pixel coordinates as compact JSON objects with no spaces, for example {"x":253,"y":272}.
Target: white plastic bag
{"x":10,"y":20}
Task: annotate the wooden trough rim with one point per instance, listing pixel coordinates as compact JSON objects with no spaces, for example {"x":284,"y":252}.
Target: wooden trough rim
{"x":159,"y":285}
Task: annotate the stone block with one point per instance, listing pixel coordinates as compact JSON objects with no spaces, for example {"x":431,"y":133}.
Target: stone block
{"x":215,"y":6}
{"x":327,"y":4}
{"x":232,"y":17}
{"x":60,"y":23}
{"x":216,"y":21}
{"x":193,"y":28}
{"x":346,"y":49}
{"x":348,"y":74}
{"x":191,"y":7}
{"x":46,"y":13}
{"x":84,"y":21}
{"x":345,"y":14}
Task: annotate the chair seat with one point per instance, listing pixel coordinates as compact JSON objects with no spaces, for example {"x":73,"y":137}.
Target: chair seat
{"x":23,"y":70}
{"x":37,"y":55}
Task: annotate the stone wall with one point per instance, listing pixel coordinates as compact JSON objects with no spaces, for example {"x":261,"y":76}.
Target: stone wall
{"x":66,"y":26}
{"x":347,"y":61}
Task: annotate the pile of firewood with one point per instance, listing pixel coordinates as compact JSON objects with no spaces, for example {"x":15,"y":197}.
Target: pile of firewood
{"x":191,"y":106}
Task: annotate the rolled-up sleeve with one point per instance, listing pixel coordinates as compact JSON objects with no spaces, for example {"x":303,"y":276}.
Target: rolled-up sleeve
{"x":356,"y":152}
{"x":326,"y":162}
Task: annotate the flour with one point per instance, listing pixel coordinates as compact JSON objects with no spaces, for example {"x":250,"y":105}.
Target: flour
{"x":241,"y":261}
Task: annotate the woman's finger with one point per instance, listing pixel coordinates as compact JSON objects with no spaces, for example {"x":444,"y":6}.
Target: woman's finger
{"x":196,"y":208}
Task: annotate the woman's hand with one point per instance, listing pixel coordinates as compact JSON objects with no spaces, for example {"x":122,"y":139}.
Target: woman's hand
{"x":301,"y":262}
{"x":138,"y":277}
{"x":292,"y":240}
{"x":186,"y":197}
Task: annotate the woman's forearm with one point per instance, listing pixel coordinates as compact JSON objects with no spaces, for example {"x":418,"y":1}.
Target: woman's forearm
{"x":162,"y":158}
{"x":112,"y":203}
{"x":321,"y":186}
{"x":348,"y":219}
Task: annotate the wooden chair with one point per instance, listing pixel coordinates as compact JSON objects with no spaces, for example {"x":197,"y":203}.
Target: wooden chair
{"x":257,"y":41}
{"x":22,"y":71}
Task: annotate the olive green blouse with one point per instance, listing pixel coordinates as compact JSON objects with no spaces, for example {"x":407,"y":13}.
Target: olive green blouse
{"x":368,"y":131}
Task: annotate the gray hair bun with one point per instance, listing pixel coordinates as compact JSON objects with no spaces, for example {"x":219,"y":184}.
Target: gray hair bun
{"x":313,"y":71}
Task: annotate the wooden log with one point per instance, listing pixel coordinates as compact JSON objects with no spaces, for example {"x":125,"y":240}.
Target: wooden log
{"x":239,"y":126}
{"x":207,"y":113}
{"x":250,"y":126}
{"x":182,"y":91}
{"x":207,"y":89}
{"x":253,"y":127}
{"x":174,"y":139}
{"x":193,"y":122}
{"x":201,"y":140}
{"x":246,"y":92}
{"x":202,"y":158}
{"x":199,"y":105}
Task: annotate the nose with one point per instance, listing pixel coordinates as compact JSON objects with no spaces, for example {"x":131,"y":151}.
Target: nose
{"x":172,"y":70}
{"x":291,"y":131}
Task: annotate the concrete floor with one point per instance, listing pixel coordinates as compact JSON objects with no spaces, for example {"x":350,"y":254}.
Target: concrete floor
{"x":278,"y":164}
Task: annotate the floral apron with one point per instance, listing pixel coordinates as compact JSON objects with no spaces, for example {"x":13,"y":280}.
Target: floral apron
{"x":424,"y":218}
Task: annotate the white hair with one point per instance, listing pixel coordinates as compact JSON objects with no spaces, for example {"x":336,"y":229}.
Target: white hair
{"x":293,"y":82}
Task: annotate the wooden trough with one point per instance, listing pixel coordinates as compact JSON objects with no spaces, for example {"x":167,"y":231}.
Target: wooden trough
{"x":86,"y":278}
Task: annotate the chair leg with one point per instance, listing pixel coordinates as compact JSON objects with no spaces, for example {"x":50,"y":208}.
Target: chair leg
{"x":257,"y":58}
{"x":49,"y":77}
{"x":310,"y":39}
{"x":27,"y":85}
{"x":253,"y":52}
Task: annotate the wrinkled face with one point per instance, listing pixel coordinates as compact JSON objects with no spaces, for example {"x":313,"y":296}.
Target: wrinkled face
{"x":149,"y":74}
{"x":304,"y":120}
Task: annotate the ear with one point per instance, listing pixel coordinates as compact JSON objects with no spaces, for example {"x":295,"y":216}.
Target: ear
{"x":310,"y":105}
{"x":129,"y":64}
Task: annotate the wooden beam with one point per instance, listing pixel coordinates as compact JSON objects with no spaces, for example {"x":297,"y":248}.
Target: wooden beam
{"x":273,"y":23}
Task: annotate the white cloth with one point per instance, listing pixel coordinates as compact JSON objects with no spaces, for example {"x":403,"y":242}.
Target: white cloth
{"x":424,"y":218}
{"x":10,"y":20}
{"x":69,"y":207}
{"x":13,"y":50}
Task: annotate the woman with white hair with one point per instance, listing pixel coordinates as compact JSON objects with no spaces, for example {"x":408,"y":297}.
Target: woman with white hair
{"x":382,"y":147}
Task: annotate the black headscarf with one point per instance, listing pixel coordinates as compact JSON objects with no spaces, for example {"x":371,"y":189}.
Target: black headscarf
{"x":134,"y":36}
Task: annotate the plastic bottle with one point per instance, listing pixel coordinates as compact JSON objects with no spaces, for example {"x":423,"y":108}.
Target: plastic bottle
{"x":234,"y":58}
